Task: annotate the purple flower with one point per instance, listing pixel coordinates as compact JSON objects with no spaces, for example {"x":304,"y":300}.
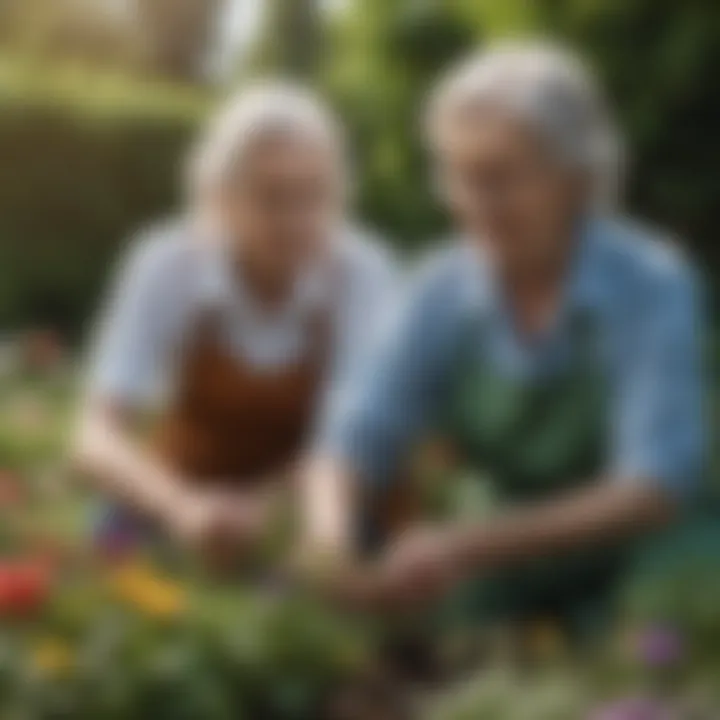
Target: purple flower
{"x":117,"y":545}
{"x":115,"y":536}
{"x":638,"y":708}
{"x":660,"y":646}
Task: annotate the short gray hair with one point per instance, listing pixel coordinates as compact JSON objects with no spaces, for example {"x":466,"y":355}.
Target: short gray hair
{"x":550,"y":89}
{"x":261,"y":112}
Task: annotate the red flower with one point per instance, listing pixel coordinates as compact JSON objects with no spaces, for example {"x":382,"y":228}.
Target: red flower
{"x":24,"y":587}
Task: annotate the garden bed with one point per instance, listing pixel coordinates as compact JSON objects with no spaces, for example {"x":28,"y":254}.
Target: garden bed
{"x":91,"y":629}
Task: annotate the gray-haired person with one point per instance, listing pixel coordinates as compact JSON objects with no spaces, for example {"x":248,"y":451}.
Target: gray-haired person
{"x":235,"y":324}
{"x":554,"y":344}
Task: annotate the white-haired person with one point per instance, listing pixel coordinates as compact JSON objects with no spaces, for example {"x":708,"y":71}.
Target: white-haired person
{"x":232,"y":326}
{"x":554,"y":344}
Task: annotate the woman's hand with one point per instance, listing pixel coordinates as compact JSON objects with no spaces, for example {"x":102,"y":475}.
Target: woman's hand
{"x":418,"y":569}
{"x":221,"y":526}
{"x":193,"y":518}
{"x":341,"y":578}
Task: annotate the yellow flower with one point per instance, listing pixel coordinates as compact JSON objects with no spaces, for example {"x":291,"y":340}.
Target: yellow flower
{"x":152,"y":595}
{"x":53,"y":657}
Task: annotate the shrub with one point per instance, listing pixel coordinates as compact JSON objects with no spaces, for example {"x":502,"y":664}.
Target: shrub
{"x":87,"y":160}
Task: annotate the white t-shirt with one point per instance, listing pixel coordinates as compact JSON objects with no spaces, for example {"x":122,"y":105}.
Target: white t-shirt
{"x":167,"y":277}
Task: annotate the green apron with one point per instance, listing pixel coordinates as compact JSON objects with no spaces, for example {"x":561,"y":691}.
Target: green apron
{"x":535,"y":438}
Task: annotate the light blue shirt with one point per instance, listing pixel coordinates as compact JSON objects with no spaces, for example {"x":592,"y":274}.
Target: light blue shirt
{"x":170,"y":273}
{"x":645,"y":298}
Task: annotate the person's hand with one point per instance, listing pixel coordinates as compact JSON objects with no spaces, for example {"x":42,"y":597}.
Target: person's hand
{"x":341,"y":578}
{"x":193,"y":518}
{"x":245,"y":514}
{"x":420,"y":567}
{"x":221,"y":527}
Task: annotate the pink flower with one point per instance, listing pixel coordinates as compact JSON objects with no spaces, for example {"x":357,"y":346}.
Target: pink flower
{"x":660,"y":646}
{"x":637,"y":708}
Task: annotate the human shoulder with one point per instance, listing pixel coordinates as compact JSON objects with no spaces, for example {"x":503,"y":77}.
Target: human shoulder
{"x":161,"y":249}
{"x":645,"y":262}
{"x":433,"y":307}
{"x":444,"y":277}
{"x":366,"y":253}
{"x":158,"y":273}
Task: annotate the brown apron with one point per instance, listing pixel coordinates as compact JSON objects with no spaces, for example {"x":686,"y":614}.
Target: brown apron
{"x":231,"y":422}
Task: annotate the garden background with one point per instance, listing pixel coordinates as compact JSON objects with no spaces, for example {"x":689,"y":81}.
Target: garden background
{"x":99,"y":100}
{"x":97,"y":107}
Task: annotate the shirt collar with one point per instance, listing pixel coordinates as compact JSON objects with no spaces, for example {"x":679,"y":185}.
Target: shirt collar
{"x":584,"y":286}
{"x":221,"y":285}
{"x":477,"y":284}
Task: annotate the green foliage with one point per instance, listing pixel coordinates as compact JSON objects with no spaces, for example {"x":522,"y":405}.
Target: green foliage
{"x":657,"y":59}
{"x":291,"y":43}
{"x":384,"y":55}
{"x":666,"y":569}
{"x":86,"y":161}
{"x":250,"y":661}
{"x":147,"y":635}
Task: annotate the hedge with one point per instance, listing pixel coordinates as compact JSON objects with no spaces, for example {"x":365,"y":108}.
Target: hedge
{"x":87,"y":160}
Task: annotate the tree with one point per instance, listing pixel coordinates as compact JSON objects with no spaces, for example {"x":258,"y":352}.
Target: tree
{"x":657,"y":58}
{"x":383,"y":57}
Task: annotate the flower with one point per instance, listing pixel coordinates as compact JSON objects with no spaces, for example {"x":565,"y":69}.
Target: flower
{"x":24,"y":587}
{"x":152,"y":595}
{"x":115,"y":536}
{"x":53,"y":656}
{"x":659,"y":646}
{"x":636,"y":708}
{"x":115,"y":544}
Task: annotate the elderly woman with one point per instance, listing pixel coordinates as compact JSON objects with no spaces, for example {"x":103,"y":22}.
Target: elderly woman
{"x":557,"y":346}
{"x":234,"y":324}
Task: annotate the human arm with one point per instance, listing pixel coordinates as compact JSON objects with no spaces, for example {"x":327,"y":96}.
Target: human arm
{"x":135,"y":350}
{"x":656,"y":458}
{"x":371,"y":425}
